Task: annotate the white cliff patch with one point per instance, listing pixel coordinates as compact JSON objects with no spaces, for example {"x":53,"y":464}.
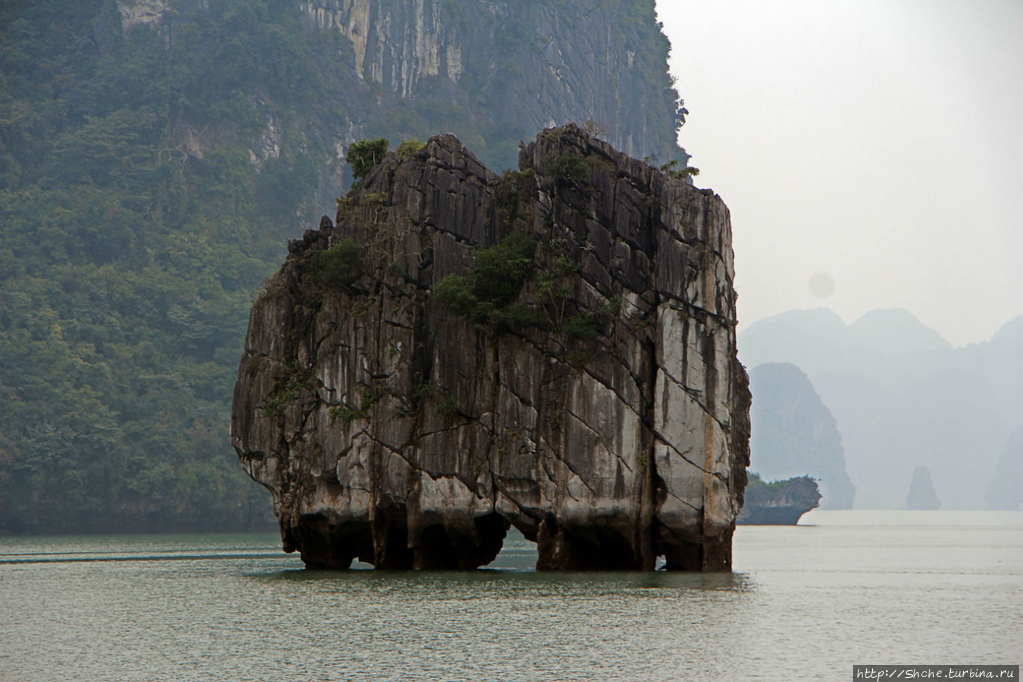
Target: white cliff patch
{"x":142,"y":12}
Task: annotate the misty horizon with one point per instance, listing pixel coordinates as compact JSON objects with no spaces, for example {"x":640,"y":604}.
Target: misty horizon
{"x":870,"y":152}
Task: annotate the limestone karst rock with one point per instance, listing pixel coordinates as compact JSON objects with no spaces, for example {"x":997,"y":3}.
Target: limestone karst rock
{"x":794,"y":434}
{"x":778,"y":503}
{"x":552,"y":349}
{"x":922,"y":495}
{"x":1005,"y":492}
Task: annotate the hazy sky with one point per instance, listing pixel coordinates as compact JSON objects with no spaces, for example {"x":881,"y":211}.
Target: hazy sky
{"x":870,"y":151}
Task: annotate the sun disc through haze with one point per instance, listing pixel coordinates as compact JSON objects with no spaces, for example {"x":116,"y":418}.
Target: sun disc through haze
{"x":821,"y":284}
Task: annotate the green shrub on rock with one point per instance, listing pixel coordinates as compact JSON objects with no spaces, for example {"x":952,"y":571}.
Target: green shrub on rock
{"x":409,"y":148}
{"x":365,"y":154}
{"x":486,"y":295}
{"x":569,"y":166}
{"x":502,"y":269}
{"x":338,"y":266}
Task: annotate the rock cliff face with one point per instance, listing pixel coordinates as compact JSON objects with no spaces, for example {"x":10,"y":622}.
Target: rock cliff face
{"x":493,"y":72}
{"x":580,"y":61}
{"x":553,"y":348}
{"x":423,"y":48}
{"x":142,"y":12}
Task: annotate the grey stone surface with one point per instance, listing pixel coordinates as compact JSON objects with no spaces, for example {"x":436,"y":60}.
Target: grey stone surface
{"x":392,"y":429}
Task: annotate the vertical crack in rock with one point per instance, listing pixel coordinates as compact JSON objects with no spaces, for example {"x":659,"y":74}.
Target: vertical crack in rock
{"x":460,"y":353}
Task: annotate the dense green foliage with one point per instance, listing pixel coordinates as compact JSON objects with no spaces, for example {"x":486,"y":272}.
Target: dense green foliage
{"x":486,"y":295}
{"x":338,"y":266}
{"x":672,"y":168}
{"x":133,"y":230}
{"x":409,"y":148}
{"x":570,"y":166}
{"x":756,"y":482}
{"x":365,"y":154}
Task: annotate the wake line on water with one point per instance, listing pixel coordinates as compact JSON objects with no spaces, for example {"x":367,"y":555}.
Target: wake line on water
{"x":239,"y":550}
{"x":169,"y":557}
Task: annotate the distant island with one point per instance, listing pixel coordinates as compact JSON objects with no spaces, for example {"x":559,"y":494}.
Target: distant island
{"x":794,"y":433}
{"x":921,"y":491}
{"x":778,"y":503}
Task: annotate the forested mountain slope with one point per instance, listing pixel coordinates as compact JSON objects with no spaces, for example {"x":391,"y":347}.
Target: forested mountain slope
{"x":155,"y":155}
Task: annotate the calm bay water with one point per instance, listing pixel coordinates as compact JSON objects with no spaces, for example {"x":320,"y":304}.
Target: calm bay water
{"x":804,"y":602}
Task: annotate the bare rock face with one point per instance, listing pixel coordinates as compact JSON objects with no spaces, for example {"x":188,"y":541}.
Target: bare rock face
{"x":142,"y":12}
{"x":552,"y":349}
{"x":583,"y":59}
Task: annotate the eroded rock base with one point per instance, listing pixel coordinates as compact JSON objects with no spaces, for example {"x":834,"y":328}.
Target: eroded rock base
{"x":387,"y":545}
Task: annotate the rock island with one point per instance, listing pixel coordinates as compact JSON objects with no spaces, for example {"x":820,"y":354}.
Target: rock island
{"x":460,"y":352}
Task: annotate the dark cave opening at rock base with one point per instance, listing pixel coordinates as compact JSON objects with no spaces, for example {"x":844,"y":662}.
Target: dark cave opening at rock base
{"x":385,"y":544}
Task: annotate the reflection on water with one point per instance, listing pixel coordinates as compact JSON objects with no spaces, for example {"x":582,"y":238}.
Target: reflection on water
{"x":137,"y":548}
{"x":847,"y":587}
{"x":507,"y":581}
